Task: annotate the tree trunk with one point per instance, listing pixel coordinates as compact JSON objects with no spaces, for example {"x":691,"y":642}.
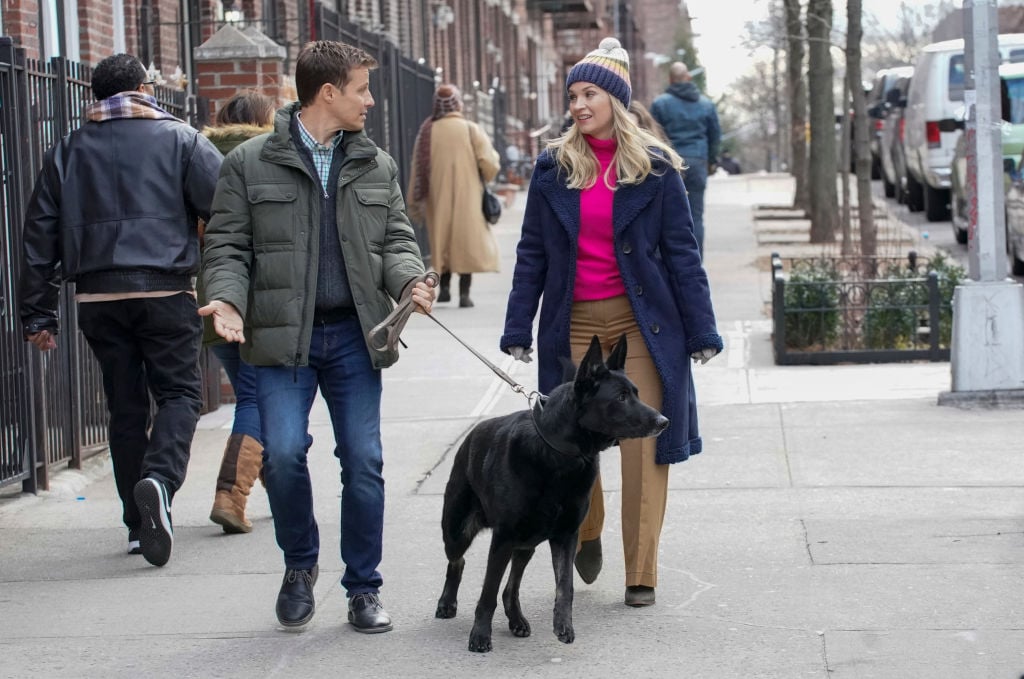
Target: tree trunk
{"x":797,"y":91}
{"x":861,"y":131}
{"x":822,"y":166}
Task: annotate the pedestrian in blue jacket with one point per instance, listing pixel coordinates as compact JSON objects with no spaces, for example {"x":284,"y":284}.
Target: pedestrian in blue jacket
{"x":607,"y":242}
{"x":691,"y":122}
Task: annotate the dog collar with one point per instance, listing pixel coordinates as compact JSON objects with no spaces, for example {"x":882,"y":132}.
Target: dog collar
{"x":534,"y":413}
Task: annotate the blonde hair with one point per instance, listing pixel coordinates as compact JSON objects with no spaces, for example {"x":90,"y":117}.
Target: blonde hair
{"x":634,"y":153}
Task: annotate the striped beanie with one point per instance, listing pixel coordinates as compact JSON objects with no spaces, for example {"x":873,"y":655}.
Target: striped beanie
{"x":607,"y":67}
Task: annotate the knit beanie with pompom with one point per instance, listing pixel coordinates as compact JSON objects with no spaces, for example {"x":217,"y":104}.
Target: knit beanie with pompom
{"x":607,"y":67}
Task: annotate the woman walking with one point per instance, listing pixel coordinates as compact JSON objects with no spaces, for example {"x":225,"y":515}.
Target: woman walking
{"x":452,"y":159}
{"x":607,"y":248}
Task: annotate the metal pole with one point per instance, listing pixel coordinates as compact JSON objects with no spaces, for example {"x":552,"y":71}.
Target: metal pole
{"x":987,"y":352}
{"x":986,"y":243}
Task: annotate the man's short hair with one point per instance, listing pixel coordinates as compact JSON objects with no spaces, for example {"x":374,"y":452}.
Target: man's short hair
{"x":327,"y":61}
{"x":117,"y":73}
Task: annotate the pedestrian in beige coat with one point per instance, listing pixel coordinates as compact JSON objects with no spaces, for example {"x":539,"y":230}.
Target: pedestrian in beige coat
{"x":452,"y":159}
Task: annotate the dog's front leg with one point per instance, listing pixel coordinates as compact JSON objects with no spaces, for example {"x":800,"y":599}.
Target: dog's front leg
{"x":563,"y":550}
{"x":517,"y":622}
{"x":497,"y":561}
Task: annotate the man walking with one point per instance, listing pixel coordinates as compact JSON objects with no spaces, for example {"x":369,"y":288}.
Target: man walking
{"x":115,"y":210}
{"x":691,"y":123}
{"x":309,"y":244}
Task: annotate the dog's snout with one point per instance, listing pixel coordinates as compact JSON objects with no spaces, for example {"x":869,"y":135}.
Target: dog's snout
{"x":661,"y":424}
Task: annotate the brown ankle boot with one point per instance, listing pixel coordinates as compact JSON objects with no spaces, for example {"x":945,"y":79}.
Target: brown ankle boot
{"x":241,"y":464}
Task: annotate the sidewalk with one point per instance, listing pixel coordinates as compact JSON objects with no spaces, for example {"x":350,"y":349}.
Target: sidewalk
{"x":838,"y":524}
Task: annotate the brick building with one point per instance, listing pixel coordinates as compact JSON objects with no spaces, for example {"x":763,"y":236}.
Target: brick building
{"x":514,"y":52}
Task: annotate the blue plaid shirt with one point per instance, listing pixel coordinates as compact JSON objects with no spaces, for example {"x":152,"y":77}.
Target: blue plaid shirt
{"x":323,"y":156}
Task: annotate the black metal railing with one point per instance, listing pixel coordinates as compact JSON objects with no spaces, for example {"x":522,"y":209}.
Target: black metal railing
{"x":831,"y":310}
{"x":52,"y":407}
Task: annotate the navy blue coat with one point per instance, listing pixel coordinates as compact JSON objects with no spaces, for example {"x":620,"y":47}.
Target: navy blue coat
{"x":660,"y":266}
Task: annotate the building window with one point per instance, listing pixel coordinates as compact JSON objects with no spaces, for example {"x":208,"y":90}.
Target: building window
{"x":120,"y":43}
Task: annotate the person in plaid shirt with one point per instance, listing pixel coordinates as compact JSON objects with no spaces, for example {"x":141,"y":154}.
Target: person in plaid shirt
{"x":115,"y":211}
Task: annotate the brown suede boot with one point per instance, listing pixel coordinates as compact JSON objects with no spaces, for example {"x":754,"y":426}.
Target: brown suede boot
{"x":239,"y":468}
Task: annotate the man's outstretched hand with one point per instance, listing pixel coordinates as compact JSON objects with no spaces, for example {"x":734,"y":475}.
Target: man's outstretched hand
{"x":226,"y":320}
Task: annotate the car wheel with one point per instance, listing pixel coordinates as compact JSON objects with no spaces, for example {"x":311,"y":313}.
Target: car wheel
{"x":1016,"y":264}
{"x":915,"y":194}
{"x":936,"y":204}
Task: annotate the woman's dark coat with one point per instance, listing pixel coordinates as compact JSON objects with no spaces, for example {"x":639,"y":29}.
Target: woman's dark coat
{"x":661,"y":269}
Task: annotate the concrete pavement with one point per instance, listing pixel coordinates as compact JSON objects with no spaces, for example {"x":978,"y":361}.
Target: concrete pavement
{"x":838,"y":524}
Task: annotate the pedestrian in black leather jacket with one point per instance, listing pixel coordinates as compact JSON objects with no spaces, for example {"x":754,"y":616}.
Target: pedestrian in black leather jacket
{"x":115,"y":210}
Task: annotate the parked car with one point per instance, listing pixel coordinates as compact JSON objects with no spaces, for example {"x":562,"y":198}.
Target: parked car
{"x":937,"y":93}
{"x":1015,"y":221}
{"x":1012,"y":135}
{"x":893,"y":162}
{"x":877,"y":106}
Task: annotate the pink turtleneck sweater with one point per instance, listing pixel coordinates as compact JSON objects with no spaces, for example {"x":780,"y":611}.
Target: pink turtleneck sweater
{"x":597,"y":272}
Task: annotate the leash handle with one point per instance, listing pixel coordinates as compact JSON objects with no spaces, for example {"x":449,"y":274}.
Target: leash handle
{"x":385,"y":336}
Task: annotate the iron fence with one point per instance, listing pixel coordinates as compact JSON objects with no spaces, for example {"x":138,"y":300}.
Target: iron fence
{"x":52,"y":407}
{"x":403,"y":91}
{"x":831,"y":310}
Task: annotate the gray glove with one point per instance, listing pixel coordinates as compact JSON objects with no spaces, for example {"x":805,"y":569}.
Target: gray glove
{"x":704,"y":355}
{"x":521,"y":354}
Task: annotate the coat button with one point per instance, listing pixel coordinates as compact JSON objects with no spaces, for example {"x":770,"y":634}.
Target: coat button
{"x":639,"y":290}
{"x":655,"y":328}
{"x":627,"y":248}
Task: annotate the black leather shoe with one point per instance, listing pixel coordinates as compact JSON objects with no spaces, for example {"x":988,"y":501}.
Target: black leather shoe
{"x":367,"y":614}
{"x":589,"y":560}
{"x":295,"y":602}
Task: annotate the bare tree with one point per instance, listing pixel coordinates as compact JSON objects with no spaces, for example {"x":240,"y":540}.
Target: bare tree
{"x":822,"y":165}
{"x":797,"y":96}
{"x":861,"y":143}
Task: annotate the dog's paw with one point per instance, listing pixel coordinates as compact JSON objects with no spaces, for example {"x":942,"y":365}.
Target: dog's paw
{"x":479,"y":643}
{"x":566,"y":634}
{"x":519,"y":627}
{"x":446,"y":610}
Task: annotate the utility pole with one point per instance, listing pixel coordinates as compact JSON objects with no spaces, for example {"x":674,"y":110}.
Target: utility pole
{"x":987,"y":352}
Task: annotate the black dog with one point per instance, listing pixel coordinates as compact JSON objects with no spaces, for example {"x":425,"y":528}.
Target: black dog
{"x":528,"y":476}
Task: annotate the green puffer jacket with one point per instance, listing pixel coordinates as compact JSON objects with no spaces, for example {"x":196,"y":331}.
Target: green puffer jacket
{"x":262,"y":242}
{"x":225,"y":138}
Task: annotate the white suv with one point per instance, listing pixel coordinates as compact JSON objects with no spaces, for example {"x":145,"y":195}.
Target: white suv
{"x":937,"y":93}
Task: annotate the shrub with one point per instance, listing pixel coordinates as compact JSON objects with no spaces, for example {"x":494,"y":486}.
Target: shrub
{"x":811,"y":304}
{"x":897,"y":306}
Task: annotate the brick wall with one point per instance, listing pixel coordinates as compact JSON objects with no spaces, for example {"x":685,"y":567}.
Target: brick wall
{"x":21,"y":23}
{"x":220,"y":80}
{"x":96,"y":30}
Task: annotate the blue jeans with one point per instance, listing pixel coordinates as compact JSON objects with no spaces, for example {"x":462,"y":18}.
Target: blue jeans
{"x":243,"y":380}
{"x":695,"y":177}
{"x":339,"y":364}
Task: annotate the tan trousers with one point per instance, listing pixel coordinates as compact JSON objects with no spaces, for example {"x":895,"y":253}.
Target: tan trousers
{"x":644,"y":483}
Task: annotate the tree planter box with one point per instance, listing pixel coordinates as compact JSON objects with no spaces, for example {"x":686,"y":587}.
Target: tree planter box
{"x":831,"y":310}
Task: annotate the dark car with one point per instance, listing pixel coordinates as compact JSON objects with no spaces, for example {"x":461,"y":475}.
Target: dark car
{"x":893,"y":162}
{"x":877,"y":106}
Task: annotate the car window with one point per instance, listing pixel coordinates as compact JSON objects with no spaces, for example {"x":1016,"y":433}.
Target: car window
{"x":956,"y":77}
{"x":1015,"y":89}
{"x":1016,"y":56}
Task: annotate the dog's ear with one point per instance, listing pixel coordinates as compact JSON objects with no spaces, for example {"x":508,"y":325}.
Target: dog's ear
{"x":617,"y":359}
{"x":592,"y":362}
